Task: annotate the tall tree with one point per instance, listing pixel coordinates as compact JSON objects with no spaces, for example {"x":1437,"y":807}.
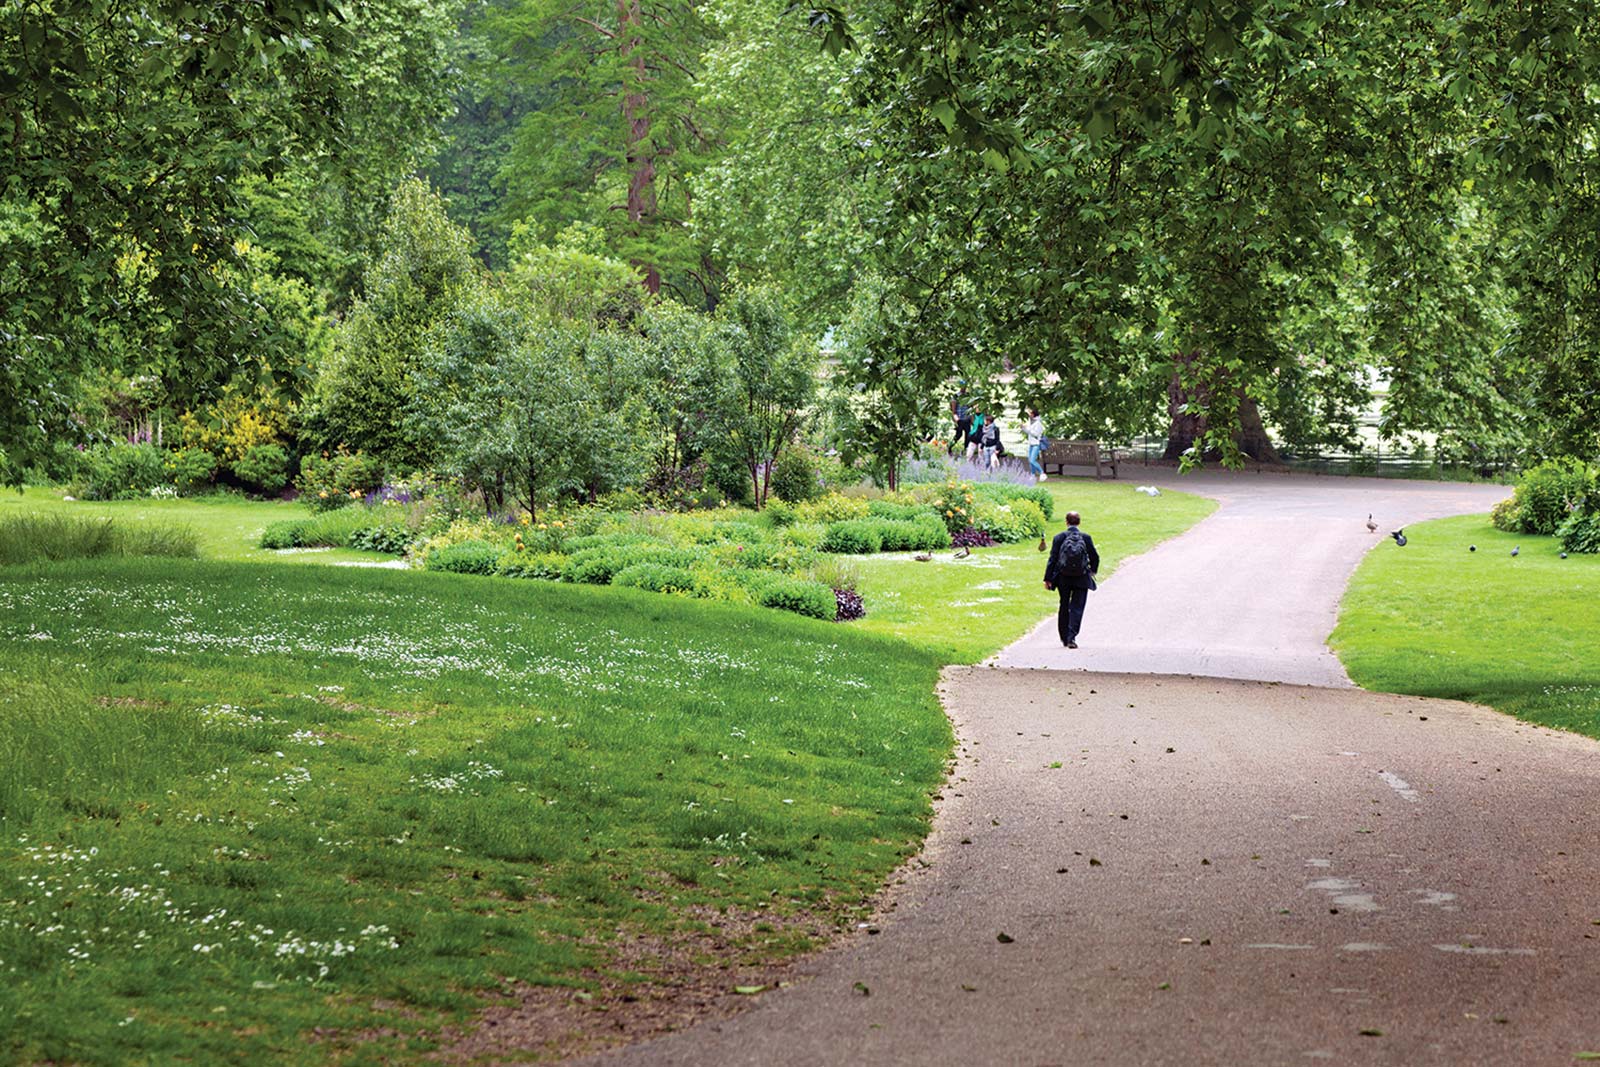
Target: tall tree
{"x":617,"y":130}
{"x":130,"y":130}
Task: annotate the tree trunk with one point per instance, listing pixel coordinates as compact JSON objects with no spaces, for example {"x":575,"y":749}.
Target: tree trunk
{"x":1186,"y":427}
{"x":640,"y":151}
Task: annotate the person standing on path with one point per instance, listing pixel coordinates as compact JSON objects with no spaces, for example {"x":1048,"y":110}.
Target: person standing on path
{"x":1070,"y":572}
{"x":963,"y":419}
{"x":991,"y":444}
{"x":1034,"y":429}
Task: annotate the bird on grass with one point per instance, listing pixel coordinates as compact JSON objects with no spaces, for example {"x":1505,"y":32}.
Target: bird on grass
{"x":1563,"y":555}
{"x":923,"y":557}
{"x":1472,"y":548}
{"x":1516,"y":551}
{"x":964,"y":553}
{"x":1399,"y":537}
{"x":1372,"y":527}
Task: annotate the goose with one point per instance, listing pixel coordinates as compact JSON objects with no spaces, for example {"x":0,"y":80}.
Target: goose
{"x":1372,"y":527}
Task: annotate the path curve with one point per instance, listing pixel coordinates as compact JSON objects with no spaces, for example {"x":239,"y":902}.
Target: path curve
{"x":1200,"y":870}
{"x":1252,"y":591}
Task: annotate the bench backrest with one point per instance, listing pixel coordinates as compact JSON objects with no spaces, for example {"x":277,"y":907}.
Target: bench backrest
{"x":1074,"y":452}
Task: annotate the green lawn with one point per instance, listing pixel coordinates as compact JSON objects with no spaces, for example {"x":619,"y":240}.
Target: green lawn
{"x":969,"y":609}
{"x":242,"y":803}
{"x":1435,"y":619}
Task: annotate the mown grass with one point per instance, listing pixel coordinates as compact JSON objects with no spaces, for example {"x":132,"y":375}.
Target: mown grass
{"x":222,"y":779}
{"x":1435,"y":619}
{"x":31,"y":538}
{"x":243,"y":805}
{"x":228,"y":527}
{"x":966,"y":610}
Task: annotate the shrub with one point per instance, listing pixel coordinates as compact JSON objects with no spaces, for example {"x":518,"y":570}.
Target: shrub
{"x":835,"y":507}
{"x":953,"y":503}
{"x":853,"y":537}
{"x":1581,"y":532}
{"x":123,"y":472}
{"x":600,"y":566}
{"x":971,"y":538}
{"x":794,"y":476}
{"x":923,"y":533}
{"x":805,"y":535}
{"x":328,"y":482}
{"x":29,"y":538}
{"x":779,"y":513}
{"x":835,"y":573}
{"x":333,"y":529}
{"x":1506,"y":516}
{"x":656,"y":577}
{"x":547,"y":566}
{"x":468,"y":557}
{"x":284,"y":534}
{"x":1550,"y":492}
{"x":266,"y":467}
{"x":1020,"y":520}
{"x":800,"y":596}
{"x":849,"y":605}
{"x":885,"y":509}
{"x":190,"y":469}
{"x":391,"y":537}
{"x":1007,"y":491}
{"x":715,"y":583}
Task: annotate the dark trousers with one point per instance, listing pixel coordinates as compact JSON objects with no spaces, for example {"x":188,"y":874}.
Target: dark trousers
{"x":1070,"y":618}
{"x":963,"y":432}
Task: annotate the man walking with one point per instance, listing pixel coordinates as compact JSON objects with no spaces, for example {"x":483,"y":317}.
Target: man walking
{"x":1070,"y":572}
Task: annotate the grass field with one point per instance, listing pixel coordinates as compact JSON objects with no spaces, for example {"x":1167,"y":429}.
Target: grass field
{"x":243,"y":804}
{"x":1436,"y":619}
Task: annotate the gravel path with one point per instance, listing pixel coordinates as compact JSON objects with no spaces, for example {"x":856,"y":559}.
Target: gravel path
{"x":1200,"y":870}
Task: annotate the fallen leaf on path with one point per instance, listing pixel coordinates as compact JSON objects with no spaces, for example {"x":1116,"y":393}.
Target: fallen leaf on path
{"x":748,"y":990}
{"x":861,"y":987}
{"x":1004,"y":938}
{"x":1371,"y":1032}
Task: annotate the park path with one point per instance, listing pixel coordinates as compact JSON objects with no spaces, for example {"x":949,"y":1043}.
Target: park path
{"x":1208,"y":870}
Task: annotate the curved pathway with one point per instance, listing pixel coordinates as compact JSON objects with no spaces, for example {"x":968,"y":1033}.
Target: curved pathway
{"x":1204,"y":870}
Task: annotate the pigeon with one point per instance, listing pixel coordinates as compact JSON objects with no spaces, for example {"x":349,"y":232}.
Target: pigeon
{"x":1472,"y":548}
{"x":964,"y":553}
{"x":1563,"y":555}
{"x":1516,"y":551}
{"x":1399,"y":537}
{"x":923,"y":557}
{"x":1372,"y":527}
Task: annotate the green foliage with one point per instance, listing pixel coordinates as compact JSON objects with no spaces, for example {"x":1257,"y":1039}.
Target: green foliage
{"x":37,"y":538}
{"x":656,"y":578}
{"x":122,"y":471}
{"x":191,"y":469}
{"x":546,"y":566}
{"x":799,"y":596}
{"x":392,"y":537}
{"x":370,"y":387}
{"x":1548,"y":493}
{"x":1018,"y":520}
{"x":1506,"y":515}
{"x":263,"y":467}
{"x":1006,"y":491}
{"x":854,"y":537}
{"x":328,"y":482}
{"x":467,"y":557}
{"x":953,"y":502}
{"x":282,"y":534}
{"x":769,"y":384}
{"x":834,"y":507}
{"x":923,"y":533}
{"x":1581,"y":532}
{"x":794,"y":476}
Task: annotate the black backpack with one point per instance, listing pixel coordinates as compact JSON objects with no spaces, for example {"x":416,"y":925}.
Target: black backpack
{"x":1072,"y":556}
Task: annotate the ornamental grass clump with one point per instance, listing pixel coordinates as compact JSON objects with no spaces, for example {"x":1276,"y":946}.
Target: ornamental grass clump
{"x":33,"y":538}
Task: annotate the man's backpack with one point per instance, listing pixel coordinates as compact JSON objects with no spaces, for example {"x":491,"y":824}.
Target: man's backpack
{"x":1072,"y":556}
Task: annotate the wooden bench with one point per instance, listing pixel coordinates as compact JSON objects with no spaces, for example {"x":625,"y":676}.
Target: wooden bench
{"x":1063,"y":454}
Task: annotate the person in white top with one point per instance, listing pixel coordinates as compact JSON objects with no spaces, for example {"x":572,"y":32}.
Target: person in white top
{"x":1034,"y":428}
